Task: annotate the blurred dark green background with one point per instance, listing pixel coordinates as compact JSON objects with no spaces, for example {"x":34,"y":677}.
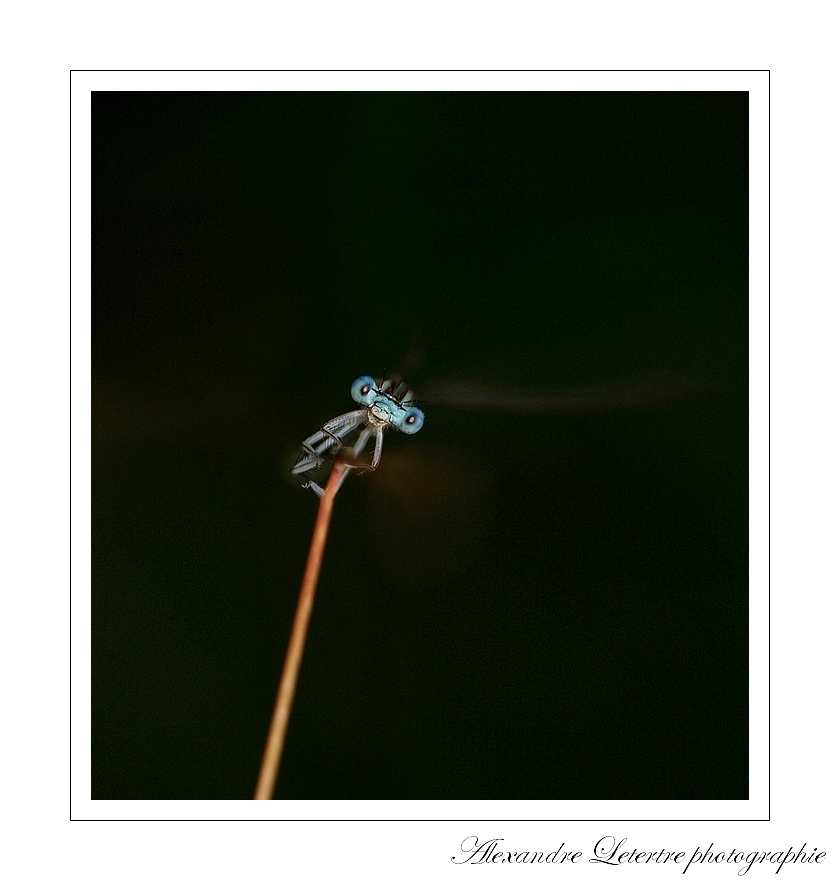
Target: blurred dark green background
{"x":527,"y":606}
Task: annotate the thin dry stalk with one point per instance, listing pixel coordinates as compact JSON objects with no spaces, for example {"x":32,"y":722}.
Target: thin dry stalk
{"x":288,"y":681}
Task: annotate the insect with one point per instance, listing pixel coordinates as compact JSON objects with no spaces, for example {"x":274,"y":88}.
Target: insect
{"x":386,"y":404}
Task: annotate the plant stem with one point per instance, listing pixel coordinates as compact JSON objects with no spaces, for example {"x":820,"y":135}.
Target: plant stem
{"x":288,"y":680}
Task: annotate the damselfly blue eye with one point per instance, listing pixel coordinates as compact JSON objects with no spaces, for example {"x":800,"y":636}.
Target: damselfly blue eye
{"x":411,"y":421}
{"x":362,"y":389}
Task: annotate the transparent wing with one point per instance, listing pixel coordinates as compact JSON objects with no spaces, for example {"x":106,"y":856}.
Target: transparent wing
{"x":642,"y":392}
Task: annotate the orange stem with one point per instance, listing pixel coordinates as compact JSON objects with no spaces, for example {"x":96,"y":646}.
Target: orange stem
{"x":288,"y":680}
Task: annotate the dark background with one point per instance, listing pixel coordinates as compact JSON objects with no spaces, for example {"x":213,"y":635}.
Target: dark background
{"x":539,"y":605}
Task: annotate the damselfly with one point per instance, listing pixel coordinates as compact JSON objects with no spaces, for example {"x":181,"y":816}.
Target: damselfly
{"x":386,"y":404}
